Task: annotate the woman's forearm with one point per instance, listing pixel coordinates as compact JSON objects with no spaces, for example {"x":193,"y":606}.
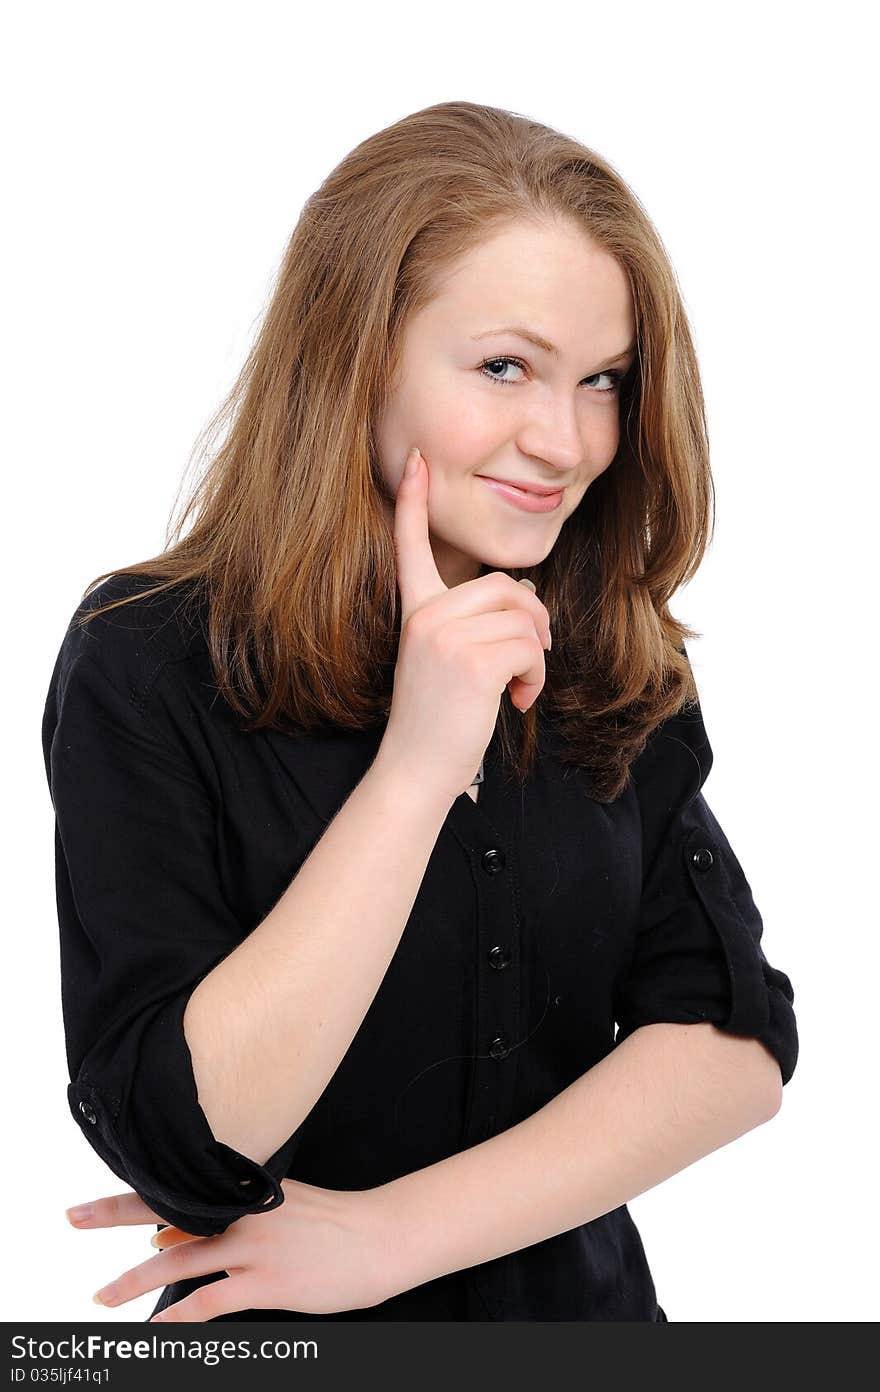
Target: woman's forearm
{"x":665,"y":1097}
{"x":268,"y":1027}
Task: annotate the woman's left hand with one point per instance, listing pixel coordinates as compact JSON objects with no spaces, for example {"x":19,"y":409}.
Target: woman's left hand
{"x":321,"y":1251}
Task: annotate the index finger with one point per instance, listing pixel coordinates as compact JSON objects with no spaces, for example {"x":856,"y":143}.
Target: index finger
{"x":116,"y":1210}
{"x":417,"y":575}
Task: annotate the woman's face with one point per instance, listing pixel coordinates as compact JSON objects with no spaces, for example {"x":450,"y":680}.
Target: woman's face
{"x":546,"y":419}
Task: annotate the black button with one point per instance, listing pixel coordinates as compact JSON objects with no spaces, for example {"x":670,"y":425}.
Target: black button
{"x":498,"y":1048}
{"x":494,"y":861}
{"x":88,"y":1112}
{"x":499,"y":958}
{"x":703,"y":858}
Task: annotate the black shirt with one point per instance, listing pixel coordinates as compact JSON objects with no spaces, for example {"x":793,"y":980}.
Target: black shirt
{"x":543,"y":919}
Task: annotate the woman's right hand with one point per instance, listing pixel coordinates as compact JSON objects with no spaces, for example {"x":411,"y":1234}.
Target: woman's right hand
{"x":458,"y":651}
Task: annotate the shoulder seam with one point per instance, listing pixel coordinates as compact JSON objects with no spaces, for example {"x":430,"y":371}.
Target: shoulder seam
{"x":137,"y":695}
{"x":139,"y":691}
{"x":174,"y":748}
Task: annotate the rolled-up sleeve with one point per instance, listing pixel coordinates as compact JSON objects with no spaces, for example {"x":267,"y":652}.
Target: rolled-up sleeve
{"x":142,"y":920}
{"x":698,"y":950}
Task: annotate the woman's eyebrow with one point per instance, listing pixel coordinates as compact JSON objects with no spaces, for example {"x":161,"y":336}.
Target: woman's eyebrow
{"x":540,"y":342}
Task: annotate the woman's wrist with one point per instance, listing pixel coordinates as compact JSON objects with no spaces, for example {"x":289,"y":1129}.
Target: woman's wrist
{"x":397,"y":1242}
{"x":407,"y":786}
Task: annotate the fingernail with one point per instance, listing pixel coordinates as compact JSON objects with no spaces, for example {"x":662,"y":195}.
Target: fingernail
{"x":97,"y":1299}
{"x":411,"y":464}
{"x":155,"y":1239}
{"x":80,"y":1213}
{"x":532,"y":587}
{"x":549,"y":641}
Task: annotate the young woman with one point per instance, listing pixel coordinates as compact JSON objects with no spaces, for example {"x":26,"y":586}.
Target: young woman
{"x":379,"y":793}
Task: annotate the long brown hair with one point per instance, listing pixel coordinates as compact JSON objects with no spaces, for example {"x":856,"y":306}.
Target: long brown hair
{"x":289,"y":547}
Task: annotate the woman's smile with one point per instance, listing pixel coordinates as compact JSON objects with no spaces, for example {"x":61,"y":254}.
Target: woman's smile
{"x":527,"y":502}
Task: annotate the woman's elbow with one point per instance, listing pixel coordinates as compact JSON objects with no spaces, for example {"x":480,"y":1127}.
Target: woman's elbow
{"x":756,"y":1061}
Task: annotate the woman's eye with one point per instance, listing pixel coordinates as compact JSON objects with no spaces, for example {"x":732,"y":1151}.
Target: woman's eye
{"x":613,"y":377}
{"x":499,"y":362}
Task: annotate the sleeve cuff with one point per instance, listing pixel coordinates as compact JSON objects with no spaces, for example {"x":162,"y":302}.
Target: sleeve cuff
{"x":159,"y":1142}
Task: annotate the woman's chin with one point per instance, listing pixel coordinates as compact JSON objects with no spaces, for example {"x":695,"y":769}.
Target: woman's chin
{"x":514,"y":557}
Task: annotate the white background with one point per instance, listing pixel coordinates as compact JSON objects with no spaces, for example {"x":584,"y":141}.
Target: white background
{"x":156,"y":160}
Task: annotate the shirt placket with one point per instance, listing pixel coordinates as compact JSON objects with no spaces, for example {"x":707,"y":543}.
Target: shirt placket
{"x":487,"y":835}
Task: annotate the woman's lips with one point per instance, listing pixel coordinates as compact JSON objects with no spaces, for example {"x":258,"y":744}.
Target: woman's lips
{"x":529,"y":502}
